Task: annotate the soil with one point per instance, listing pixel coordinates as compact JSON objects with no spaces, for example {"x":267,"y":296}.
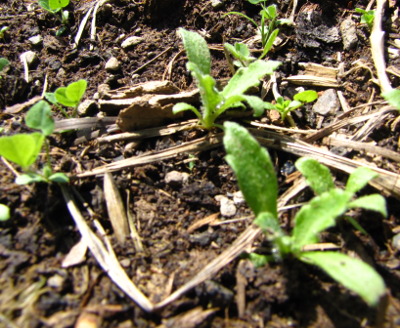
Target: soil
{"x":179,"y":223}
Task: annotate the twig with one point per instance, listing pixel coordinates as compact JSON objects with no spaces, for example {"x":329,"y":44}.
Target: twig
{"x":151,"y":60}
{"x":377,"y":46}
{"x":82,"y":27}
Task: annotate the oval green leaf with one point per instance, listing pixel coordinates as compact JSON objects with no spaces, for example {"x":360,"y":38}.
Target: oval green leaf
{"x":39,"y":117}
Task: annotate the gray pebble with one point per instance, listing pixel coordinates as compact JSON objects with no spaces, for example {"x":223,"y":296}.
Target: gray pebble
{"x":396,"y":242}
{"x":87,"y":108}
{"x":36,"y":40}
{"x":327,"y":104}
{"x":113,"y":65}
{"x":227,"y":206}
{"x":176,"y":178}
{"x":349,"y":33}
{"x":30,"y":56}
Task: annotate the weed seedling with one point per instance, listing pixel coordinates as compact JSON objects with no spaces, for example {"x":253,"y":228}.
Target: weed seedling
{"x":69,"y":96}
{"x":3,"y":63}
{"x":268,"y":24}
{"x":241,"y":53}
{"x":393,"y":97}
{"x":257,"y":181}
{"x":23,"y":149}
{"x":284,"y":107}
{"x":55,"y":6}
{"x":3,"y":30}
{"x":4,"y":212}
{"x":367,"y":17}
{"x":215,"y":102}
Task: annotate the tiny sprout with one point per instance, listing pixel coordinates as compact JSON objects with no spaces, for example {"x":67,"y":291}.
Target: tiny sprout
{"x":4,"y":212}
{"x":367,"y":17}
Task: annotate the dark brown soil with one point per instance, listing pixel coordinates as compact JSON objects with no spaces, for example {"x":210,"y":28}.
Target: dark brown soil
{"x":37,"y":291}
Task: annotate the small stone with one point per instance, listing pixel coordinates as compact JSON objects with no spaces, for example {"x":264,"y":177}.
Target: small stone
{"x":238,"y":198}
{"x":131,"y":41}
{"x":56,"y":281}
{"x":349,"y":33}
{"x":216,"y":3}
{"x":327,"y":104}
{"x":227,"y":206}
{"x":30,"y":57}
{"x":175,"y":178}
{"x":87,"y":108}
{"x":36,"y":40}
{"x":113,"y":65}
{"x":125,"y":263}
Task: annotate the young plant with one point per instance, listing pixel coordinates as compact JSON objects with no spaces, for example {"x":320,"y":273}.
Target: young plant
{"x":23,"y":149}
{"x":69,"y":96}
{"x":241,"y":53}
{"x":392,"y":97}
{"x":55,"y":6}
{"x":3,"y":63}
{"x":269,"y":17}
{"x":257,"y":181}
{"x":284,"y":107}
{"x":4,"y":212}
{"x":215,"y":102}
{"x":367,"y":17}
{"x":3,"y":30}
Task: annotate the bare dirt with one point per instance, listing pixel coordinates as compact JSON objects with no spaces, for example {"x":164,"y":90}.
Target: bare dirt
{"x":38,"y":291}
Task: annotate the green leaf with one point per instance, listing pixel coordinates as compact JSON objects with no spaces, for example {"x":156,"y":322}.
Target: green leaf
{"x":393,"y":97}
{"x":3,"y":63}
{"x":256,"y":103}
{"x":253,"y":168}
{"x":352,"y":273}
{"x":46,"y":6}
{"x":58,"y":4}
{"x":271,"y":12}
{"x":59,"y":178}
{"x":4,"y":212}
{"x":373,"y":202}
{"x":318,"y":215}
{"x":28,"y":178}
{"x":270,"y":42}
{"x":317,"y":175}
{"x":250,"y":76}
{"x":39,"y":117}
{"x":268,"y":223}
{"x":71,"y":95}
{"x":255,"y":2}
{"x":306,"y":96}
{"x":181,"y":107}
{"x":196,"y":50}
{"x":50,"y":97}
{"x":22,"y":149}
{"x":259,"y":260}
{"x":359,"y":179}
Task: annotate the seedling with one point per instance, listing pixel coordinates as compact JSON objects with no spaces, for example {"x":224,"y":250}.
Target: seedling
{"x":269,"y":16}
{"x":393,"y":97}
{"x":3,"y":30}
{"x":69,"y":96}
{"x":367,"y":17}
{"x":215,"y":102}
{"x":55,"y":6}
{"x":4,"y":212}
{"x":257,"y":181}
{"x":284,"y":107}
{"x":241,"y":53}
{"x":23,"y":149}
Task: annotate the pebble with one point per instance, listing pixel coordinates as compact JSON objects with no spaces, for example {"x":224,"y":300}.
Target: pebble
{"x":327,"y":104}
{"x":56,"y":281}
{"x":349,"y":33}
{"x":131,"y":41}
{"x":36,"y":40}
{"x":227,"y":206}
{"x":30,"y":56}
{"x":396,"y":242}
{"x":216,"y":3}
{"x":113,"y":65}
{"x":238,"y":198}
{"x":175,"y":178}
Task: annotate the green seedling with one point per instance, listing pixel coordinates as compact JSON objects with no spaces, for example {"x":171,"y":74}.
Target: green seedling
{"x":54,"y":7}
{"x":241,"y":53}
{"x":284,"y":107}
{"x":4,"y":212}
{"x":3,"y":30}
{"x":392,"y":97}
{"x":257,"y":180}
{"x":69,"y":96}
{"x":268,"y":24}
{"x":367,"y":17}
{"x":23,"y":149}
{"x":215,"y":102}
